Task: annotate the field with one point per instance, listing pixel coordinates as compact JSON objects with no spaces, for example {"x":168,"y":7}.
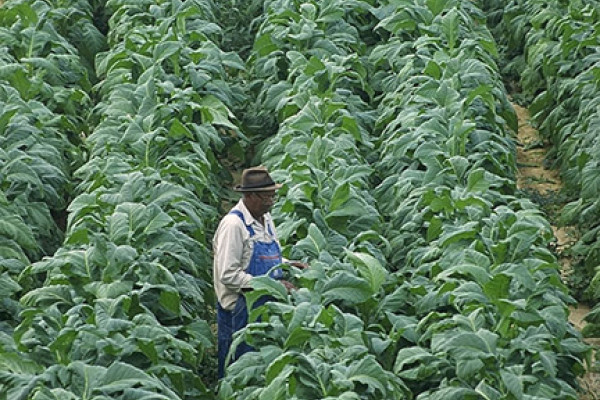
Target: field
{"x":439,"y":169}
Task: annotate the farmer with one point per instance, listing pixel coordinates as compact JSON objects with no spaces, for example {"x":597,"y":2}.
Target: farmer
{"x":245,"y":245}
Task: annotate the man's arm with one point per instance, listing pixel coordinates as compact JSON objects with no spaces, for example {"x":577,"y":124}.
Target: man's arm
{"x":229,"y":250}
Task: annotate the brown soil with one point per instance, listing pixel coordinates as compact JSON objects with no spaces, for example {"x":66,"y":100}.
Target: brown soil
{"x":533,"y":176}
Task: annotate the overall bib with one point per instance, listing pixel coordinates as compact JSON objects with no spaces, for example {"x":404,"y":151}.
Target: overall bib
{"x":264,"y":256}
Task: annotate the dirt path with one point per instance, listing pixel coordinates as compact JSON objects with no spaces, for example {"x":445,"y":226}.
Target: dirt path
{"x":542,"y":182}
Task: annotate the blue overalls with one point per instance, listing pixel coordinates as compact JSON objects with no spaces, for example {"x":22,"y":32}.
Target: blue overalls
{"x":265,"y":256}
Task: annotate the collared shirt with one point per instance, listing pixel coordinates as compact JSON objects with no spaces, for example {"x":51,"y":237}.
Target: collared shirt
{"x":233,"y":247}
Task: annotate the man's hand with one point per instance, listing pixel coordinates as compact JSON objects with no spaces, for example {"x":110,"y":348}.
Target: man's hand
{"x":288,"y":285}
{"x":298,"y":264}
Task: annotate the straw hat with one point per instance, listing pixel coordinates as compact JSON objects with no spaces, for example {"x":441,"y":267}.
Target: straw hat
{"x":256,"y":179}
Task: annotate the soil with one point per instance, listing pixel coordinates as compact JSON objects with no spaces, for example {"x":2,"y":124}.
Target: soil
{"x":533,"y":177}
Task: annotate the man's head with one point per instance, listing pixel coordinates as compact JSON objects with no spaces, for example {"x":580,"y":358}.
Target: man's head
{"x":259,"y":190}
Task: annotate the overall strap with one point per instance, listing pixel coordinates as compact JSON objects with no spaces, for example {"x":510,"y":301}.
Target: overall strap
{"x":248,"y":227}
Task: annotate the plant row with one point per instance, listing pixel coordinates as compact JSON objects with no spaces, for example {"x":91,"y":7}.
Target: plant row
{"x":309,"y":66}
{"x":559,"y":42}
{"x":444,"y":289}
{"x":44,"y":92}
{"x":124,"y":309}
{"x":483,"y":285}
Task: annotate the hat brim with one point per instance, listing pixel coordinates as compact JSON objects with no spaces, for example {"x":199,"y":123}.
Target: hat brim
{"x":240,"y":188}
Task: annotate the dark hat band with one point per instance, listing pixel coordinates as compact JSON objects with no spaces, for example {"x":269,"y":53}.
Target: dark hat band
{"x":258,"y":186}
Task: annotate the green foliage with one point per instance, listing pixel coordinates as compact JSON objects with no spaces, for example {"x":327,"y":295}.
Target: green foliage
{"x":390,"y":129}
{"x":451,"y":287}
{"x":129,"y":290}
{"x":559,"y":43}
{"x":317,"y":39}
{"x":44,"y":92}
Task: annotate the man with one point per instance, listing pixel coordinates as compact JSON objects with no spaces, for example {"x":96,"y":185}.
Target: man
{"x":245,"y":245}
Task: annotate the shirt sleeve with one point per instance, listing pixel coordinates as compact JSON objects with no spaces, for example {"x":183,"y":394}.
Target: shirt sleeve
{"x":229,"y":250}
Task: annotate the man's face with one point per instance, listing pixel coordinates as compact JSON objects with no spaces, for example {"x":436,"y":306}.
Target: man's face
{"x":265,"y":200}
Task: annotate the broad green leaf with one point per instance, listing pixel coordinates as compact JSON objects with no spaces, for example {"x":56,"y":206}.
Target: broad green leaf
{"x":451,"y":27}
{"x":279,"y":364}
{"x":16,"y":363}
{"x":215,"y":112}
{"x":264,"y":45}
{"x":8,"y":286}
{"x":467,"y":368}
{"x":434,"y":229}
{"x":436,"y":6}
{"x":590,"y":184}
{"x":353,"y":207}
{"x":179,"y":131}
{"x":549,"y":362}
{"x":49,"y":295}
{"x":120,"y":229}
{"x":477,"y":273}
{"x":166,"y":49}
{"x":513,"y":383}
{"x":460,"y":165}
{"x":62,"y":344}
{"x":156,"y":219}
{"x":483,"y":91}
{"x":454,"y":234}
{"x":427,"y":152}
{"x":315,"y":242}
{"x":368,"y":372}
{"x":314,"y":65}
{"x":109,"y":290}
{"x":440,"y":202}
{"x":277,"y":388}
{"x":84,"y":378}
{"x":488,"y":392}
{"x":370,"y":269}
{"x":120,"y":376}
{"x":466,"y":344}
{"x":171,"y":301}
{"x":340,"y":196}
{"x":477,"y":181}
{"x":265,"y":285}
{"x":446,"y":95}
{"x":298,"y":337}
{"x":6,"y":113}
{"x":351,"y":126}
{"x":397,"y":23}
{"x":409,"y":355}
{"x":433,"y":69}
{"x":347,"y":287}
{"x":148,"y":347}
{"x":498,"y":287}
{"x":21,"y":385}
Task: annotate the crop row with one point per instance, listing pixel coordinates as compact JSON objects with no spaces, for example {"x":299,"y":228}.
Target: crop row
{"x":126,"y":298}
{"x":44,"y":85}
{"x":312,"y":64}
{"x":466,"y":241}
{"x":446,"y":288}
{"x":557,"y":65}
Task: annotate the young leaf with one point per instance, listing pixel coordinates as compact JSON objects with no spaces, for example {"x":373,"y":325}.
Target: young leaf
{"x":347,"y":287}
{"x":370,"y":269}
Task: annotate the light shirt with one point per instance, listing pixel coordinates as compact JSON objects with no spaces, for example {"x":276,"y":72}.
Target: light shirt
{"x":233,"y":247}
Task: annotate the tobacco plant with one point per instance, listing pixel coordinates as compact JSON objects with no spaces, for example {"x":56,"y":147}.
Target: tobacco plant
{"x":44,"y":92}
{"x":124,"y":309}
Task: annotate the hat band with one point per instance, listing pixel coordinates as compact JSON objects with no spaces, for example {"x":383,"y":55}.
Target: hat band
{"x":259,"y":186}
